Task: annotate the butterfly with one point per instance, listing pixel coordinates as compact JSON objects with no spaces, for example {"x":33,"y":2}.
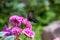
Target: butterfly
{"x":30,"y":16}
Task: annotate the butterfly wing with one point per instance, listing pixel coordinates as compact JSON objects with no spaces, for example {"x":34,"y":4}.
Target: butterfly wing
{"x":31,"y":17}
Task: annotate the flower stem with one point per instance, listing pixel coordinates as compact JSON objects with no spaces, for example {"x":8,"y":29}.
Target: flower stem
{"x":25,"y":38}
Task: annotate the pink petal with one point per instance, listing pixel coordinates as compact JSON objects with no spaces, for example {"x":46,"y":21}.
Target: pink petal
{"x":28,"y":32}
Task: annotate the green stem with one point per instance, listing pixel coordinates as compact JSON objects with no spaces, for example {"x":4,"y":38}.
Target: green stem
{"x":25,"y":38}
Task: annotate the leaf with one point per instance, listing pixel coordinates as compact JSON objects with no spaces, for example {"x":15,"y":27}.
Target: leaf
{"x":21,"y":5}
{"x":46,"y":2}
{"x":57,"y":1}
{"x":10,"y":37}
{"x":50,"y":15}
{"x":2,"y":34}
{"x":32,"y":2}
{"x":44,"y":21}
{"x":1,"y":38}
{"x":15,"y":3}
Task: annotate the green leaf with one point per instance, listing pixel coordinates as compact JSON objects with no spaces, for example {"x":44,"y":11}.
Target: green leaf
{"x":50,"y":15}
{"x":21,"y":6}
{"x":44,"y":21}
{"x":32,"y":2}
{"x":57,"y":1}
{"x":10,"y":37}
{"x":15,"y":4}
{"x":1,"y":38}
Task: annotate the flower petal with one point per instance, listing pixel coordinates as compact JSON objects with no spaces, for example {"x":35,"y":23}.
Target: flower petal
{"x":16,"y":31}
{"x":28,"y":32}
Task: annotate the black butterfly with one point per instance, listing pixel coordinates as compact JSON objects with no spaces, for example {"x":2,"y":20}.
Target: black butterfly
{"x":31,"y":17}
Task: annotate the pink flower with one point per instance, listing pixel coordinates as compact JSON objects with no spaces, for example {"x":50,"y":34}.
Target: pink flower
{"x":16,"y":31}
{"x":6,"y":30}
{"x":24,"y":21}
{"x":14,"y":20}
{"x":28,"y":32}
{"x":21,"y":18}
{"x":56,"y":38}
{"x":27,"y":23}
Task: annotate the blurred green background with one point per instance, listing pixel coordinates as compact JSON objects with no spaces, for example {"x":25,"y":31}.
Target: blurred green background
{"x":46,"y":11}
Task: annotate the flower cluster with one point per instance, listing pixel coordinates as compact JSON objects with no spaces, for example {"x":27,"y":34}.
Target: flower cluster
{"x":16,"y":22}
